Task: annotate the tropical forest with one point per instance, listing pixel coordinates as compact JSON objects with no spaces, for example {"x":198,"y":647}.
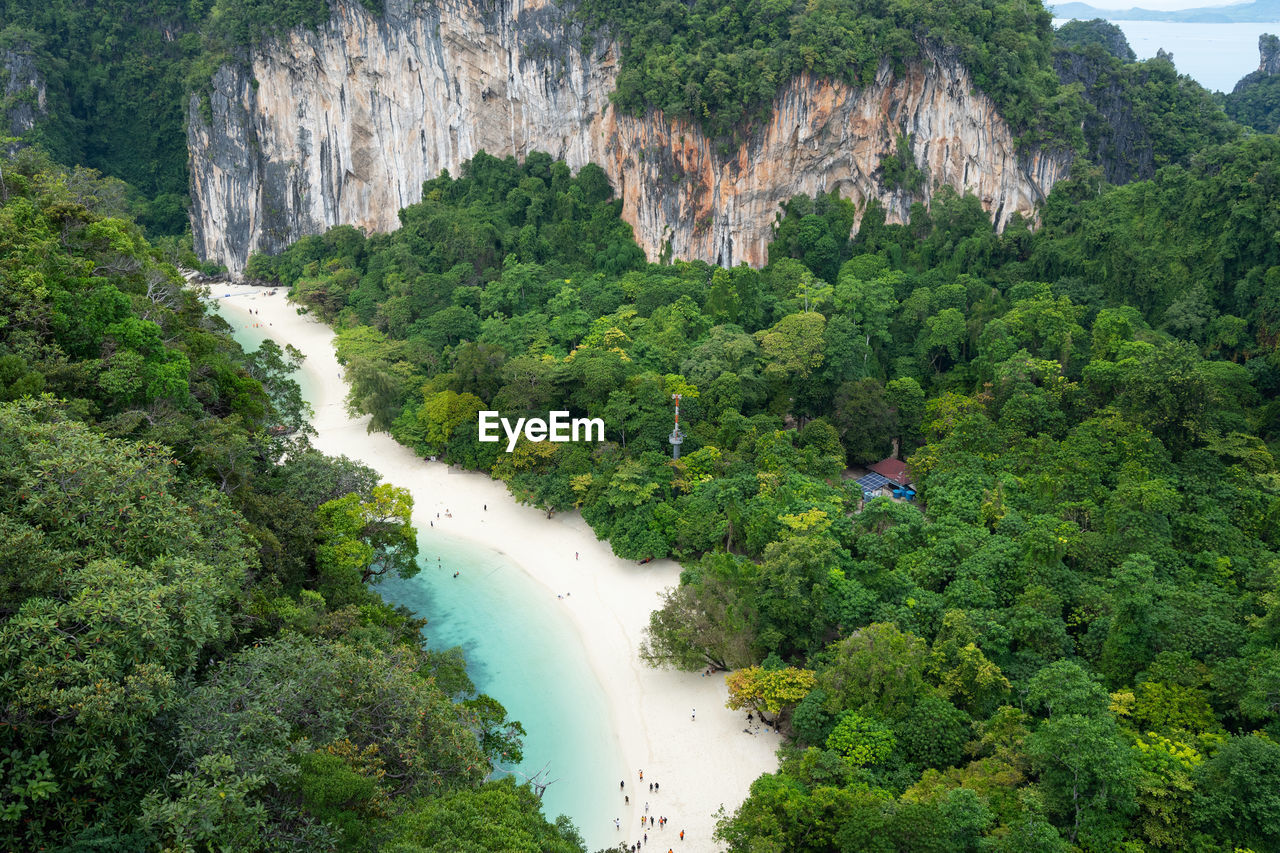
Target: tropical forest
{"x":1056,"y":628}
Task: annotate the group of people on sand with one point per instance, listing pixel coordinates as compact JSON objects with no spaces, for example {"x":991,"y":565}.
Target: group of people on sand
{"x":647,"y":821}
{"x":753,"y":725}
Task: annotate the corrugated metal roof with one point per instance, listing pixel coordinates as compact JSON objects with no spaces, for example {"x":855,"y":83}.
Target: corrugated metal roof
{"x":894,"y":470}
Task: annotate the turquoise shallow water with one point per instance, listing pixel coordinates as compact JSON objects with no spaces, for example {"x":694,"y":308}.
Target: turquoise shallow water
{"x":523,"y":653}
{"x":521,"y":650}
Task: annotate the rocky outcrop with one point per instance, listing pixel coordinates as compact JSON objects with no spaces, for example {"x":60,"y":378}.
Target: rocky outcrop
{"x":1269,"y":54}
{"x":1095,"y":35}
{"x":342,"y":125}
{"x":23,"y":97}
{"x":1268,"y":63}
{"x":1116,"y":137}
{"x":1255,"y":100}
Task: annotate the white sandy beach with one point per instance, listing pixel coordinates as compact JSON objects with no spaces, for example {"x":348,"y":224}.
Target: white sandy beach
{"x":700,"y":764}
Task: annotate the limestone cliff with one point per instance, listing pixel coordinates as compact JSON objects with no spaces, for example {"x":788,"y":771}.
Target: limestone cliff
{"x":342,"y":125}
{"x":1268,"y":63}
{"x":1268,"y":54}
{"x":1255,"y":100}
{"x":23,"y":98}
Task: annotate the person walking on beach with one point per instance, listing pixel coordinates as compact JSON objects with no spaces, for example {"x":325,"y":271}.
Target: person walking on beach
{"x":622,"y":784}
{"x":655,"y":786}
{"x":693,"y":715}
{"x":617,"y":823}
{"x":646,"y":808}
{"x":682,"y":835}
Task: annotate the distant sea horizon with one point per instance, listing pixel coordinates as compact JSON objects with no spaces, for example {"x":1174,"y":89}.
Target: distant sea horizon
{"x":1214,"y":55}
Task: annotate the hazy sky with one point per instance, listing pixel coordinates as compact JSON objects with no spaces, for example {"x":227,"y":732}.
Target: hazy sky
{"x":1155,"y":4}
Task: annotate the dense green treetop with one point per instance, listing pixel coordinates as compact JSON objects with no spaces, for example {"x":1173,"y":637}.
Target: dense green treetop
{"x":189,"y":656}
{"x":1085,"y":36}
{"x":1069,"y":634}
{"x":1255,"y":101}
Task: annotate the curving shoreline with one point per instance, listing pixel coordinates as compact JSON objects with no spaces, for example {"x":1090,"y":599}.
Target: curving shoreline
{"x":701,"y":764}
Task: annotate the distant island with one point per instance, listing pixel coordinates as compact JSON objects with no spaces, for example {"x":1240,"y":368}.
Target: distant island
{"x":1259,"y":11}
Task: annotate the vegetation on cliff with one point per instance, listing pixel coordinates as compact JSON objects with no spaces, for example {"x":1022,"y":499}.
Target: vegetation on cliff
{"x":114,"y":72}
{"x":189,"y":656}
{"x":119,"y":75}
{"x":1255,"y":100}
{"x":119,"y":72}
{"x":1138,"y":116}
{"x":719,"y":64}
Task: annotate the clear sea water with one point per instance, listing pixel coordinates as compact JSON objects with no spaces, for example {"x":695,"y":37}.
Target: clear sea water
{"x":526,"y":655}
{"x":1215,"y":55}
{"x":521,"y":650}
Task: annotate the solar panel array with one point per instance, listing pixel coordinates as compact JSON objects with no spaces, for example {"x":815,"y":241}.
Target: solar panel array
{"x":872,"y":481}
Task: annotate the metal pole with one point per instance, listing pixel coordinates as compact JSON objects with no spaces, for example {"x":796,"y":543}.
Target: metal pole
{"x":677,"y":437}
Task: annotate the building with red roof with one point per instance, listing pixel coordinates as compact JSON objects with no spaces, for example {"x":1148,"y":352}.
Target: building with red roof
{"x":894,"y":470}
{"x":888,"y":478}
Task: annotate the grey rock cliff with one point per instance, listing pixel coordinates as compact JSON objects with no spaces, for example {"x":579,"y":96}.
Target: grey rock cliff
{"x":342,"y":125}
{"x":1269,"y":54}
{"x":1268,"y":64}
{"x":1115,"y":135}
{"x":24,"y":99}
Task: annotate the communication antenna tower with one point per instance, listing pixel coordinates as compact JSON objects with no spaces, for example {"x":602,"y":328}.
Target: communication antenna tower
{"x":677,"y":437}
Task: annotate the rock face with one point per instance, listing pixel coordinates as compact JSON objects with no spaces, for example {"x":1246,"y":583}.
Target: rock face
{"x":1116,"y":136}
{"x":1255,"y":100}
{"x":23,"y":99}
{"x":342,"y":125}
{"x":1269,"y":54}
{"x":1268,"y":63}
